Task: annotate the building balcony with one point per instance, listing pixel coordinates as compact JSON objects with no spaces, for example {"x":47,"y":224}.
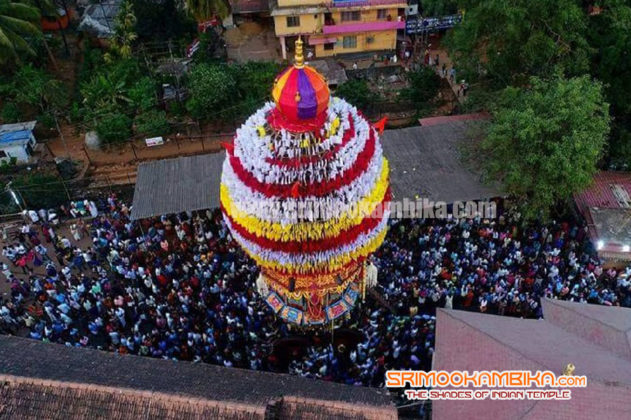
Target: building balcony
{"x":364,"y":3}
{"x":346,"y":28}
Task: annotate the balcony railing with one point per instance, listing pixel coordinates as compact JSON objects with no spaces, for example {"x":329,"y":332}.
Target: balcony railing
{"x":349,"y":27}
{"x":360,"y":3}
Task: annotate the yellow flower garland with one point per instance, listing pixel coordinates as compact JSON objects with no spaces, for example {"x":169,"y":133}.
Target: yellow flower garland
{"x":308,"y":230}
{"x":334,"y":263}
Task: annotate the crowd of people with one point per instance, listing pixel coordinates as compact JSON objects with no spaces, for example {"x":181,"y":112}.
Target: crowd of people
{"x":179,"y":287}
{"x":495,"y":266}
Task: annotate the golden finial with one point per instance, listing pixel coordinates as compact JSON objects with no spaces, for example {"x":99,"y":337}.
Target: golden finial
{"x":299,"y":58}
{"x":569,"y":370}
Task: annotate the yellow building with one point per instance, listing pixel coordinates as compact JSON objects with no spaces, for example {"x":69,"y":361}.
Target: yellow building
{"x":332,"y":27}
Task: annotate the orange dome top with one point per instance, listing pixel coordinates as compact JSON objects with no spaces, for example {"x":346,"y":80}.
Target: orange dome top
{"x":300,"y":92}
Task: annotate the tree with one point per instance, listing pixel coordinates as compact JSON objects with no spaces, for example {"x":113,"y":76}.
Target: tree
{"x":112,"y":88}
{"x":31,"y":87}
{"x":357,"y":93}
{"x":424,"y":86}
{"x":439,"y":7}
{"x":161,"y":21}
{"x":114,"y":128}
{"x":211,"y":47}
{"x":36,"y":87}
{"x":508,"y":43}
{"x":18,"y":22}
{"x":152,"y":123}
{"x":211,"y":88}
{"x":610,"y":35}
{"x":142,"y":94}
{"x":545,"y":140}
{"x":205,"y":9}
{"x":124,"y":34}
{"x":255,"y":78}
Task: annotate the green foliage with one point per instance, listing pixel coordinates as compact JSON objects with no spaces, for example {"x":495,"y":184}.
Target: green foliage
{"x":142,"y":94}
{"x":211,"y":47}
{"x":620,"y":147}
{"x":18,"y":23}
{"x":610,"y":35}
{"x":255,"y":79}
{"x":204,"y":9}
{"x":152,"y":123}
{"x":161,"y":21}
{"x":116,"y":88}
{"x":508,"y":43}
{"x":10,"y":113}
{"x":114,"y":128}
{"x":33,"y":89}
{"x":40,"y":190}
{"x":424,"y":86}
{"x":211,"y":88}
{"x":7,"y":166}
{"x":439,"y":7}
{"x":356,"y":92}
{"x":544,"y":141}
{"x":124,"y":34}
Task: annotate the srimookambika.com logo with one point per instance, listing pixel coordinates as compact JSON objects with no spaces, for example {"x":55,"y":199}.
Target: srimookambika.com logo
{"x":307,"y":209}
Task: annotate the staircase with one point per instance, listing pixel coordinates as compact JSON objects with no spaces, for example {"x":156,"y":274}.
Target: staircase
{"x":122,"y":174}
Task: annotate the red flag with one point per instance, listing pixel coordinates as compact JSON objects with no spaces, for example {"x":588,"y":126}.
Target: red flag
{"x":381,"y":125}
{"x":295,"y":190}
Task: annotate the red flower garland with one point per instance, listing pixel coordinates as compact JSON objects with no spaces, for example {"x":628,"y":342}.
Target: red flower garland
{"x":317,"y":190}
{"x":344,"y":238}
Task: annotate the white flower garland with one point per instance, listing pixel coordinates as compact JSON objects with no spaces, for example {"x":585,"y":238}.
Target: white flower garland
{"x":301,"y":258}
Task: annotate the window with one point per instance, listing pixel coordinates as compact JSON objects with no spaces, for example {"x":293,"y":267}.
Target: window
{"x":350,"y":16}
{"x":293,"y":21}
{"x":382,"y":13}
{"x":349,"y":42}
{"x":329,"y":47}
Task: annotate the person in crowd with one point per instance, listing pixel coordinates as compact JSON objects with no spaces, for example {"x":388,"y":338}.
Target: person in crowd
{"x":179,"y":287}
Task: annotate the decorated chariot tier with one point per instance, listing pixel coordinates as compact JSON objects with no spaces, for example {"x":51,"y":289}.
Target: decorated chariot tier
{"x":305,"y":192}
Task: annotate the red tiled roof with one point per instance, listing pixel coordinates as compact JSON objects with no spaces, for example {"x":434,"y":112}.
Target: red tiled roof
{"x":249,"y":6}
{"x":472,"y":341}
{"x":599,"y":198}
{"x":606,"y":326}
{"x":600,"y":194}
{"x":427,"y":122}
{"x":43,"y":380}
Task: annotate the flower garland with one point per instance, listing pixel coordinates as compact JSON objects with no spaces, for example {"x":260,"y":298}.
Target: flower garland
{"x":320,"y":262}
{"x":309,"y":230}
{"x":283,"y":210}
{"x":307,"y":201}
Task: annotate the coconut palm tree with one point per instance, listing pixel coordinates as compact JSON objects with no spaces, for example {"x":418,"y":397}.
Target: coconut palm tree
{"x":204,"y":9}
{"x":18,"y":22}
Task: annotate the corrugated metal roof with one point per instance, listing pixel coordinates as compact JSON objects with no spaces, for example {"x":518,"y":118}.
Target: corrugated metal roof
{"x":424,"y":162}
{"x":9,"y":128}
{"x":99,"y":19}
{"x":175,"y":185}
{"x":15,"y":136}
